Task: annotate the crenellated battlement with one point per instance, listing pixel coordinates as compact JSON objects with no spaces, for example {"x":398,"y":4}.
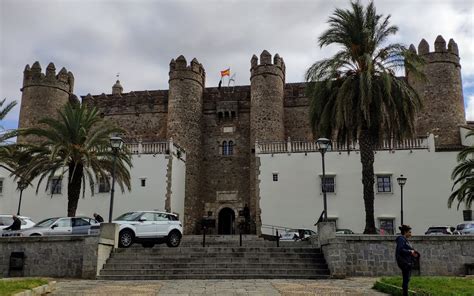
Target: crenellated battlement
{"x":266,"y":66}
{"x":33,"y":76}
{"x":179,"y":69}
{"x":441,"y":53}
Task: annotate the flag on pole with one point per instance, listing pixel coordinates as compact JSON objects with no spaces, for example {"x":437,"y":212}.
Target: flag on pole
{"x":225,"y":72}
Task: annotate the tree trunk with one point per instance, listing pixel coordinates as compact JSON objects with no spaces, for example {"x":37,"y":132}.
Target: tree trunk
{"x":74,"y":188}
{"x":367,"y":159}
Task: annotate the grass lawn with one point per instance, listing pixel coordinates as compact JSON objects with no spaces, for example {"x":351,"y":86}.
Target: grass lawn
{"x":433,"y":285}
{"x":12,"y":286}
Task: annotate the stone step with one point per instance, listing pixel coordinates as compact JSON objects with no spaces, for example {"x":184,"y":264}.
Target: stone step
{"x":211,"y":265}
{"x":211,"y":276}
{"x":211,"y":271}
{"x":179,"y":250}
{"x":244,"y":256}
{"x":213,"y":260}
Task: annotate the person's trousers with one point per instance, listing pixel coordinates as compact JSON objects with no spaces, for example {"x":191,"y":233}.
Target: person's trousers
{"x":406,"y":273}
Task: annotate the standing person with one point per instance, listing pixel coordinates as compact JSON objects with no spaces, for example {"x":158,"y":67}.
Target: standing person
{"x":405,"y":256}
{"x":16,"y":225}
{"x":98,"y":218}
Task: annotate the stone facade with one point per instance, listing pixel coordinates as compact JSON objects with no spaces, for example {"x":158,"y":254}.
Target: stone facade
{"x":43,"y":94}
{"x":72,"y":256}
{"x":351,"y":255}
{"x":441,"y":91}
{"x":201,"y":120}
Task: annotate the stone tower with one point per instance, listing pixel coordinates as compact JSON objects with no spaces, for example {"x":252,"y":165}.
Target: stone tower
{"x":185,"y":101}
{"x":267,"y":83}
{"x":43,"y":95}
{"x":441,"y":92}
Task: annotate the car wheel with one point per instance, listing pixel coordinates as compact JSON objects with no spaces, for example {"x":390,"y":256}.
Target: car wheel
{"x":174,"y":238}
{"x":35,"y":234}
{"x":148,"y":245}
{"x":126,"y":238}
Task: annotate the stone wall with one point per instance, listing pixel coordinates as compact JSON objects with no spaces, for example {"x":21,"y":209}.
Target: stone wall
{"x":62,"y":256}
{"x":372,"y":255}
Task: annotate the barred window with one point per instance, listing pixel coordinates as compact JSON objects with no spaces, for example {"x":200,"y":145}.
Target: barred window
{"x":384,"y":183}
{"x":104,"y":185}
{"x":275,"y":177}
{"x":329,"y":182}
{"x":227,"y":148}
{"x":56,"y":185}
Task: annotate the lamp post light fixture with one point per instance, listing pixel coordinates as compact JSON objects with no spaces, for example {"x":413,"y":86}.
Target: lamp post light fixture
{"x":401,"y":181}
{"x":22,"y":184}
{"x":323,"y":145}
{"x":116,"y":143}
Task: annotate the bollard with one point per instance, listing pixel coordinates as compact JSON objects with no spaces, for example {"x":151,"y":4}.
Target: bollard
{"x":204,"y":237}
{"x":278,"y":239}
{"x":240,"y":241}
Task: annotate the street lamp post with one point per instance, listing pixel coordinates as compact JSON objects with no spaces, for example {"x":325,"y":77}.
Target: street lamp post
{"x":401,"y":181}
{"x":323,"y":145}
{"x":22,"y":184}
{"x":116,"y":144}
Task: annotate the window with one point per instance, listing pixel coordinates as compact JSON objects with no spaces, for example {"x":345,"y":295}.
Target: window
{"x":227,"y":148}
{"x":1,"y":186}
{"x":66,"y":222}
{"x":143,"y":182}
{"x":104,"y":185}
{"x":56,"y":185}
{"x":275,"y":177}
{"x":386,"y":226}
{"x":329,"y":183}
{"x":76,"y":222}
{"x":384,"y":183}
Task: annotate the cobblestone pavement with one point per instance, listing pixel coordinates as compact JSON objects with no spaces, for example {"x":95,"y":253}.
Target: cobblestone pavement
{"x":350,"y":286}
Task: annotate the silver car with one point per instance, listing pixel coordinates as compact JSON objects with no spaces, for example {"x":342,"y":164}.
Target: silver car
{"x":467,"y":227}
{"x":61,"y":226}
{"x":7,"y":220}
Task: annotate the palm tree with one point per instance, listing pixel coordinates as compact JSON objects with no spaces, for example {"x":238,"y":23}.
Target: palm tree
{"x":463,"y":176}
{"x":78,"y":144}
{"x":5,"y":135}
{"x":355,"y":95}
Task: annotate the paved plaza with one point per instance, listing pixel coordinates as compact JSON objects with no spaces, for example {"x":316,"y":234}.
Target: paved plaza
{"x":349,"y":286}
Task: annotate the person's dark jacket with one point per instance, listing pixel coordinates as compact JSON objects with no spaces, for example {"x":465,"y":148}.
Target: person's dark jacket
{"x":16,"y":225}
{"x":403,"y":253}
{"x":99,"y":218}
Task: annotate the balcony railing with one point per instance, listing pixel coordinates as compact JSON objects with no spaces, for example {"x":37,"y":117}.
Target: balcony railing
{"x":311,"y":146}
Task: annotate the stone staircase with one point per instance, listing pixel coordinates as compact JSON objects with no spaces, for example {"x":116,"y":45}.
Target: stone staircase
{"x":222,"y":258}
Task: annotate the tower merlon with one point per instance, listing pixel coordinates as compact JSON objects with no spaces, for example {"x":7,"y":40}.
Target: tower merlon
{"x":179,"y":69}
{"x":266,"y":66}
{"x":33,"y":76}
{"x":441,"y":53}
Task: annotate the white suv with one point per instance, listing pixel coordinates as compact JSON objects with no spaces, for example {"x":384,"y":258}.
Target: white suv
{"x":149,"y":228}
{"x":7,"y":220}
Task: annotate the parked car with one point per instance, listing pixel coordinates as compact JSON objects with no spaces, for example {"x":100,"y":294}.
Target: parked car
{"x":60,"y":226}
{"x":7,"y":220}
{"x":467,"y":227}
{"x":344,"y":231}
{"x":149,"y":228}
{"x":296,"y":234}
{"x":440,"y":230}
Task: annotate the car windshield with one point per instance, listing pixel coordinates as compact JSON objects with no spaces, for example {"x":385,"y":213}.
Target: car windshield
{"x":130,"y":216}
{"x":460,"y":226}
{"x":46,"y":223}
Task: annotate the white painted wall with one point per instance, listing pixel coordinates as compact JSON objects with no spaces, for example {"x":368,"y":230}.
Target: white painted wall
{"x":295,"y":199}
{"x":43,"y":205}
{"x":178,"y":172}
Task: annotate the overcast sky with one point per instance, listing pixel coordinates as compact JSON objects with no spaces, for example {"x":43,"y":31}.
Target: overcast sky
{"x":98,"y":39}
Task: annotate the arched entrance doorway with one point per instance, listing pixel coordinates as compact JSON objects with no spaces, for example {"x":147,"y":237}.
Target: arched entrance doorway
{"x":226,"y":221}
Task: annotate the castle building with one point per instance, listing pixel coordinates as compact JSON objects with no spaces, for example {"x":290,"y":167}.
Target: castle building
{"x":252,"y":147}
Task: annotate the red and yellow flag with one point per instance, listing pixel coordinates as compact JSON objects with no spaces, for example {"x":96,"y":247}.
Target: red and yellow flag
{"x":225,"y":72}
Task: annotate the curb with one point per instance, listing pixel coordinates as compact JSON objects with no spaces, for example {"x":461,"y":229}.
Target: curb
{"x":38,"y":291}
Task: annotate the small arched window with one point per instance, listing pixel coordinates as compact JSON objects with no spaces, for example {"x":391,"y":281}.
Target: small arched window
{"x":230,"y":149}
{"x":225,"y":148}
